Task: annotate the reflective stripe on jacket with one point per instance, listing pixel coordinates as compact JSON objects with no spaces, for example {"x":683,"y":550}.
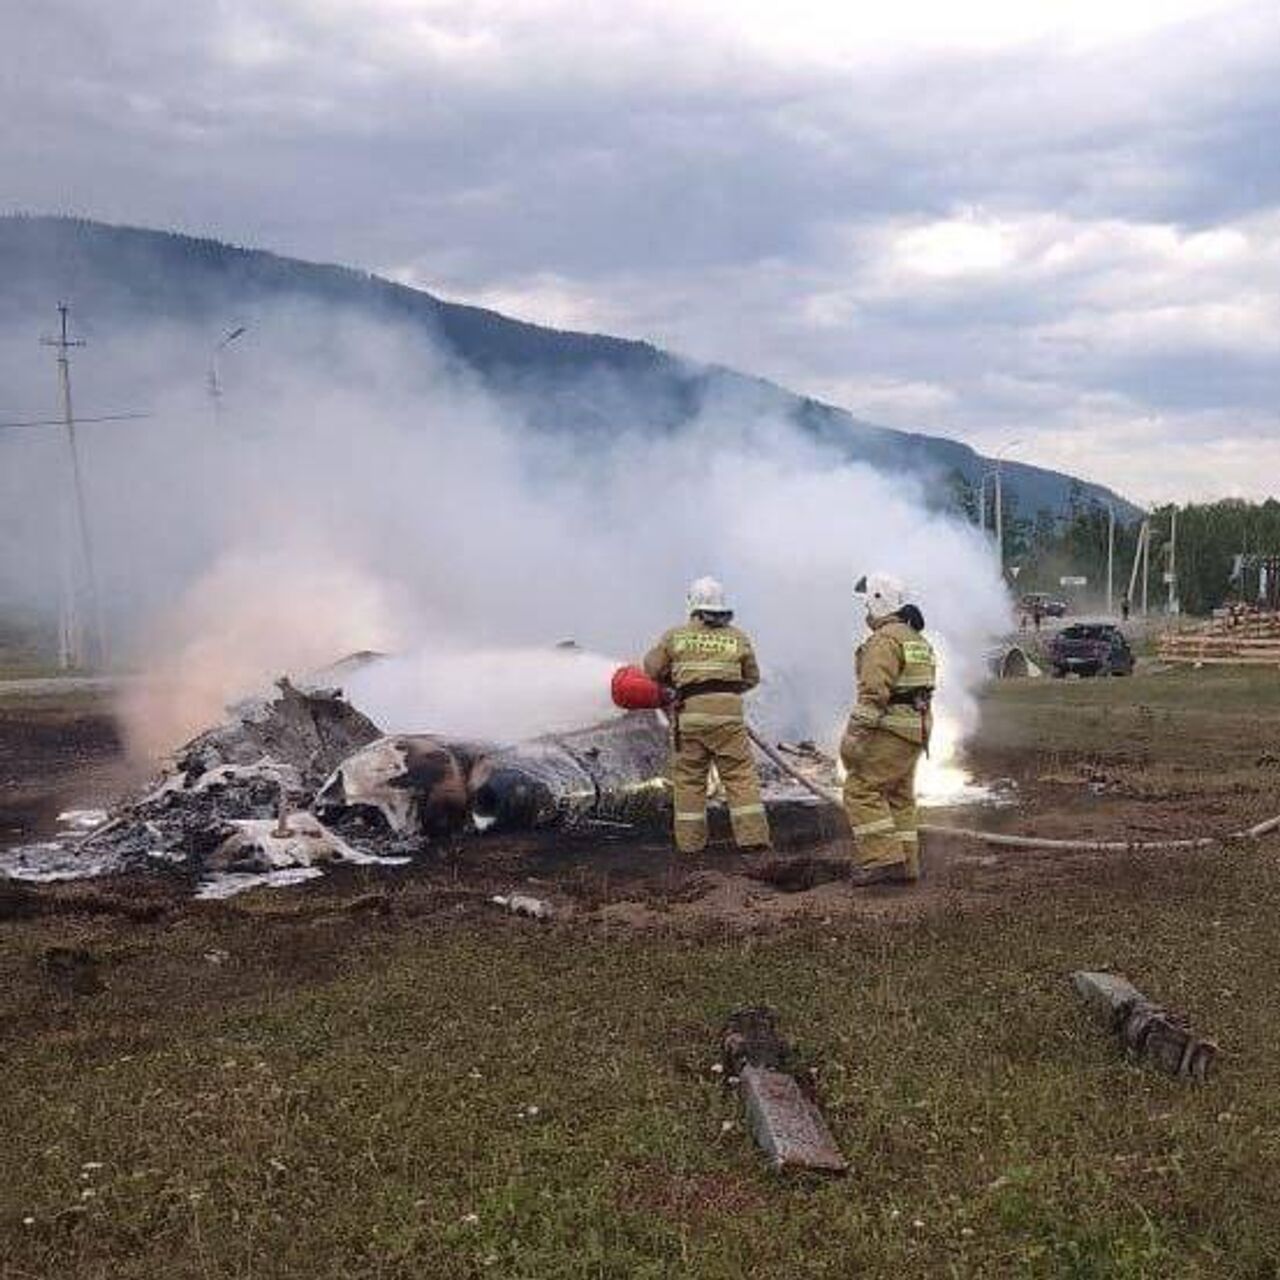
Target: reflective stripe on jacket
{"x":696,"y":652}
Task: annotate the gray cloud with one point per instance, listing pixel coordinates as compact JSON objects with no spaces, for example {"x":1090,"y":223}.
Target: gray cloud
{"x":994,"y":227}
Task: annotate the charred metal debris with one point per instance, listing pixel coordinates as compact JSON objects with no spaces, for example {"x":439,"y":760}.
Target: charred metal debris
{"x":1145,"y":1029}
{"x":778,"y":1093}
{"x":303,"y":778}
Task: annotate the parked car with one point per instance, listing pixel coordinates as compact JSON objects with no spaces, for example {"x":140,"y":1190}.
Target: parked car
{"x":1050,"y":606}
{"x":1091,"y":649}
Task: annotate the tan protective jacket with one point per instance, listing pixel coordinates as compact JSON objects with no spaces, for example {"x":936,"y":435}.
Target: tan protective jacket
{"x":894,"y":659}
{"x":694,"y":652}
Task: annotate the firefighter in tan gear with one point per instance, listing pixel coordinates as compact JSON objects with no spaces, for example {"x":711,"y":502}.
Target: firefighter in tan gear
{"x":710,"y":664}
{"x":888,"y":731}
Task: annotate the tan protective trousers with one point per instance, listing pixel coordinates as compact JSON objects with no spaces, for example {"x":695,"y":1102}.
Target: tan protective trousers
{"x":879,"y":797}
{"x":729,"y":749}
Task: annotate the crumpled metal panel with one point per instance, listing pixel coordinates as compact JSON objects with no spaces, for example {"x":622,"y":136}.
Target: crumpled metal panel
{"x":416,"y":782}
{"x":786,"y":1125}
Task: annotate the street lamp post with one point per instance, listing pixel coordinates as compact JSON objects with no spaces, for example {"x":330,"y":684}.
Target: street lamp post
{"x":214,"y":377}
{"x":999,"y":460}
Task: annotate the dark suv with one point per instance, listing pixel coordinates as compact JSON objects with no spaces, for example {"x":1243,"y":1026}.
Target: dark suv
{"x":1049,"y":606}
{"x":1091,"y":649}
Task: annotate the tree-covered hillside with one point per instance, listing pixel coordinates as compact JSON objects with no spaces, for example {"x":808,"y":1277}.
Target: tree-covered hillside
{"x":565,"y":381}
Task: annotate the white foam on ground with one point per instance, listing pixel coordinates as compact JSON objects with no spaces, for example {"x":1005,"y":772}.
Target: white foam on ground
{"x":227,"y":884}
{"x":50,"y":861}
{"x":82,"y":819}
{"x":943,"y":785}
{"x":305,"y":841}
{"x":942,"y":782}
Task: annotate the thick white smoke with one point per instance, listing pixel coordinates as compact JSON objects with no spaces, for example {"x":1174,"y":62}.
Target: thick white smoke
{"x":359,"y":493}
{"x":491,"y":694}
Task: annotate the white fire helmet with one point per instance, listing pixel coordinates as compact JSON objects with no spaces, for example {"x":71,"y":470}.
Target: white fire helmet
{"x":884,"y":594}
{"x":706,"y":595}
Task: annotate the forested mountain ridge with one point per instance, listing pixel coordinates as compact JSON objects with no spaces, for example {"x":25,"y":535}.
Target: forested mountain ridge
{"x":583,"y":382}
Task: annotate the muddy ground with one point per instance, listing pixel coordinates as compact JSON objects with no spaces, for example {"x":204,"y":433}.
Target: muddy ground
{"x":1161,"y":755}
{"x":380,"y":1073}
{"x":60,"y":748}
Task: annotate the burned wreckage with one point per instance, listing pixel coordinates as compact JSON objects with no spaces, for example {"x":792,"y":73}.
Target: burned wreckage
{"x":422,"y":786}
{"x":304,"y":778}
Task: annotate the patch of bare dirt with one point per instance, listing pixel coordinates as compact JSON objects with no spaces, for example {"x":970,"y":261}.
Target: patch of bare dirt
{"x":688,"y":1197}
{"x":56,"y":753}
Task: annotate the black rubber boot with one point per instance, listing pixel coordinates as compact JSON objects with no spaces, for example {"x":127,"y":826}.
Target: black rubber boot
{"x":880,"y":873}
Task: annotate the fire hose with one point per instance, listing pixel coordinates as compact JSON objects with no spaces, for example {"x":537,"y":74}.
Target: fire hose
{"x":634,"y":690}
{"x":1255,"y":832}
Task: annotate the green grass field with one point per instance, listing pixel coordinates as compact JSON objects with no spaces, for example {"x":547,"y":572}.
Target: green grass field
{"x":405,"y":1086}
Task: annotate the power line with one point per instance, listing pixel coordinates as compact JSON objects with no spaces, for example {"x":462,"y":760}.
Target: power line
{"x":61,"y":422}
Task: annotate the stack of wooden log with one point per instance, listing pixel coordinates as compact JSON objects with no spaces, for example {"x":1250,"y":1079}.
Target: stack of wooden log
{"x":1249,"y":639}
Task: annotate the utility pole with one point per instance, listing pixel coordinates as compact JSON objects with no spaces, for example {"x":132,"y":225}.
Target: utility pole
{"x":988,"y":479}
{"x":1139,"y":563}
{"x":1111,"y":557}
{"x":1011,"y":444}
{"x":70,"y":630}
{"x":69,"y":646}
{"x":999,"y":521}
{"x":1146,"y":563}
{"x":991,"y":525}
{"x":1172,"y":570}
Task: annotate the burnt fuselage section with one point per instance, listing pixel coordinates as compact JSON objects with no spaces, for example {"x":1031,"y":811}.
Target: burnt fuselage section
{"x":422,"y":785}
{"x":414,"y":784}
{"x":614,"y":771}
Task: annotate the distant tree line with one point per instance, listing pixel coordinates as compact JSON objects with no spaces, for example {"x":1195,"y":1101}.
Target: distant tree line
{"x":1210,"y":537}
{"x":1051,"y":545}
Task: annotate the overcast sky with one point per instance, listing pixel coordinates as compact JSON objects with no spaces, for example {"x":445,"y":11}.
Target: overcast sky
{"x":1055,"y":221}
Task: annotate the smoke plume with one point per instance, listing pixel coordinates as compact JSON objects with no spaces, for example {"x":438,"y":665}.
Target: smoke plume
{"x":357,"y":490}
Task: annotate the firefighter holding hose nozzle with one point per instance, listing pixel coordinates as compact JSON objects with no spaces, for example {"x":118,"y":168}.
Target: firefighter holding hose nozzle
{"x":888,"y":730}
{"x":710,"y":664}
